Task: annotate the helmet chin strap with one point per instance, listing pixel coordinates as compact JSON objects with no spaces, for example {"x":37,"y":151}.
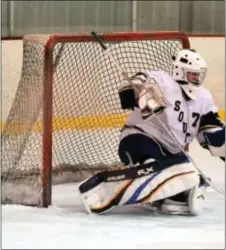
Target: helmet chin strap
{"x":187,"y":98}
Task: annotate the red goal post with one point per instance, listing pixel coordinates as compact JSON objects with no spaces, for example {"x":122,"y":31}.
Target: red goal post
{"x":66,"y":115}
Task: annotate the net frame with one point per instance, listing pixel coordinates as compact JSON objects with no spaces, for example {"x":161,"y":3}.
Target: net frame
{"x":49,"y":63}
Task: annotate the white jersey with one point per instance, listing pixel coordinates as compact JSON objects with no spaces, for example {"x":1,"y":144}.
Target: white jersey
{"x":182,"y":117}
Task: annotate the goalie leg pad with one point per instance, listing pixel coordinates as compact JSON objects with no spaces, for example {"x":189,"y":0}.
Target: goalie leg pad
{"x":196,"y":198}
{"x":186,"y":203}
{"x":142,"y":184}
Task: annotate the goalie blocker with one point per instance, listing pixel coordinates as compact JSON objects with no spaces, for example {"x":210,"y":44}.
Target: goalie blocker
{"x":144,"y":184}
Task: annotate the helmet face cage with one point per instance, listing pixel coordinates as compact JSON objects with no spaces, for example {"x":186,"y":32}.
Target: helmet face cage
{"x":195,"y":77}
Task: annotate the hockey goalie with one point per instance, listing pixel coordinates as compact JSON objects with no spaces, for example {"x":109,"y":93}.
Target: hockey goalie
{"x":158,"y":174}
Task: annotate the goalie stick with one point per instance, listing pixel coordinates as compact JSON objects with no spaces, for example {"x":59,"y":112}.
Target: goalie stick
{"x":173,"y":136}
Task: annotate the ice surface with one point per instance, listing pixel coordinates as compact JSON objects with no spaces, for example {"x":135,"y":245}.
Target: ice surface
{"x":66,"y":225}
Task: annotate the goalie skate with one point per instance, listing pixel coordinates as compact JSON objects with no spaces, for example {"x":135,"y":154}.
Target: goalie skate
{"x":169,"y":207}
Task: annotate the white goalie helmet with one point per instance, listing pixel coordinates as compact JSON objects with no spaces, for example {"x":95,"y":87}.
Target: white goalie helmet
{"x":189,"y":70}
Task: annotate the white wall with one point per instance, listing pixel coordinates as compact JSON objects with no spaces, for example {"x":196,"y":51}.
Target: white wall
{"x":12,"y":54}
{"x":212,"y":49}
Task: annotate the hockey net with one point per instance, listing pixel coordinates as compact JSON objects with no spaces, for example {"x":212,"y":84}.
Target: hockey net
{"x":65,"y":121}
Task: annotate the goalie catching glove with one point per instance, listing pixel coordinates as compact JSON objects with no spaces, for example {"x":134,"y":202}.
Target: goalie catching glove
{"x":142,"y":92}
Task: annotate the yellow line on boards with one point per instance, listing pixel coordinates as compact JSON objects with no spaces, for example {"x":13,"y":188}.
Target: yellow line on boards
{"x":75,"y":123}
{"x":222,"y":115}
{"x":70,"y":123}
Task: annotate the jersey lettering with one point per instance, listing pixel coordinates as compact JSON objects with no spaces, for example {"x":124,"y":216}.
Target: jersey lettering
{"x":177,"y":105}
{"x":181,"y":116}
{"x":185,"y":127}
